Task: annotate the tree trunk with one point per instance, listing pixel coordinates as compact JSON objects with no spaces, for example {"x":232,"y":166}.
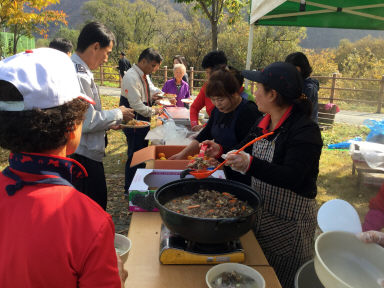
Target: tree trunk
{"x":14,"y":42}
{"x":214,"y":35}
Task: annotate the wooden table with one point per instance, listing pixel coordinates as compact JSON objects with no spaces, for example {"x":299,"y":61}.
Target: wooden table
{"x":146,"y":271}
{"x":366,"y":174}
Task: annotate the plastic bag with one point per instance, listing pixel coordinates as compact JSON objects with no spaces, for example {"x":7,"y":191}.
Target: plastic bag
{"x":170,"y":134}
{"x":344,"y":145}
{"x":371,"y":153}
{"x":377,"y":130}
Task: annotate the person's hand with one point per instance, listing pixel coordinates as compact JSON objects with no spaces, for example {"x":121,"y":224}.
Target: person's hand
{"x":238,"y":162}
{"x":127,"y":113}
{"x":197,"y":128}
{"x":115,"y":127}
{"x":157,"y":110}
{"x":122,"y":272}
{"x":156,"y":96}
{"x":177,"y":156}
{"x":173,"y":101}
{"x":213,"y":149}
{"x":372,"y":237}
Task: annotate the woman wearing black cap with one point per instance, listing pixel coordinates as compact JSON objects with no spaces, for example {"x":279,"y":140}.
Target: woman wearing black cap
{"x":284,"y":168}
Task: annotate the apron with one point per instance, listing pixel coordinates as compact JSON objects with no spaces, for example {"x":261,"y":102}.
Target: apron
{"x":226,"y":137}
{"x":286,"y":224}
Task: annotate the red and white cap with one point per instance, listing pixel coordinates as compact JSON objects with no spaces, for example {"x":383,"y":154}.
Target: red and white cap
{"x":45,"y":77}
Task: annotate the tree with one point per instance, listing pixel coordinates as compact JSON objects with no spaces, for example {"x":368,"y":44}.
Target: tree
{"x":24,"y":17}
{"x":69,"y":34}
{"x":214,"y":10}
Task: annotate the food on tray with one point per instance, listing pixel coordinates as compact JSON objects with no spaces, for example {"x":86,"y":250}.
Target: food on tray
{"x":233,"y":279}
{"x":210,"y":204}
{"x":170,"y":96}
{"x":187,"y":100}
{"x":136,"y":123}
{"x":198,"y":163}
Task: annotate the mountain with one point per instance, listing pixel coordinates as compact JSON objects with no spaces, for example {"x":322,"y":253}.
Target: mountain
{"x":318,"y":38}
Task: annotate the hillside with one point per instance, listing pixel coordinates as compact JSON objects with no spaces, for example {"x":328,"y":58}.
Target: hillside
{"x":317,"y":38}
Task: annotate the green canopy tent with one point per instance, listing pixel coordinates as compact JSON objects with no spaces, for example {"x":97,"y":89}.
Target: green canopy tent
{"x":347,"y":14}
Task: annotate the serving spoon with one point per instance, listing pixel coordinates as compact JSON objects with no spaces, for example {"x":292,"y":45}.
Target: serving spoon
{"x":201,"y":174}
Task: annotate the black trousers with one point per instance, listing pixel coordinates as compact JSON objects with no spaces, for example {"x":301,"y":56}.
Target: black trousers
{"x":94,"y":186}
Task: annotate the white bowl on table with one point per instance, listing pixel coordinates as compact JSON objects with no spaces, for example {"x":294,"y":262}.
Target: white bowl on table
{"x":230,"y":267}
{"x":343,"y":261}
{"x":122,"y":246}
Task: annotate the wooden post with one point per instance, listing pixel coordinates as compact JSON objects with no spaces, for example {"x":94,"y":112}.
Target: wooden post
{"x":191,"y":81}
{"x":120,"y":79}
{"x":101,"y":75}
{"x":381,"y":91}
{"x":165,"y":74}
{"x":333,"y":87}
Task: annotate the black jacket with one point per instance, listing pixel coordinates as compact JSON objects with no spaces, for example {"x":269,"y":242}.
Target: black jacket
{"x":295,"y":163}
{"x":124,"y":65}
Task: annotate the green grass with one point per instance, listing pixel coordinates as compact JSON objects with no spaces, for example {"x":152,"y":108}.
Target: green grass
{"x":335,"y":178}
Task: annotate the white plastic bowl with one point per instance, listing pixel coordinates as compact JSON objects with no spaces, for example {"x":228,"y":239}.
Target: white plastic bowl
{"x":229,"y":267}
{"x":123,"y":244}
{"x":343,"y":261}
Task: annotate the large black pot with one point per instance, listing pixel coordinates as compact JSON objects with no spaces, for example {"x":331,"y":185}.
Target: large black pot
{"x":207,"y":230}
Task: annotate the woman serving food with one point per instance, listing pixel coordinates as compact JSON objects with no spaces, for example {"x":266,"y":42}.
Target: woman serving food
{"x":230,"y":120}
{"x":284,"y":168}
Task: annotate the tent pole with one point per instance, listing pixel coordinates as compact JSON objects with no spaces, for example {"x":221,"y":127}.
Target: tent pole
{"x":249,"y":52}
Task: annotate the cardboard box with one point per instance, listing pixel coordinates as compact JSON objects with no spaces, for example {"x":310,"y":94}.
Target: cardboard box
{"x":147,"y":181}
{"x":150,"y":154}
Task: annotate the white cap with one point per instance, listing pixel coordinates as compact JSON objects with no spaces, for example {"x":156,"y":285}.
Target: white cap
{"x":45,"y":77}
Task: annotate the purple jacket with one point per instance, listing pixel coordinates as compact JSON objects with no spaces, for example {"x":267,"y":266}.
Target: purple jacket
{"x":170,"y":88}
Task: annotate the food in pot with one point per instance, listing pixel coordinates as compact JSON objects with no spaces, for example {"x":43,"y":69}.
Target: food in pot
{"x":233,"y":280}
{"x":135,"y":122}
{"x":198,"y":163}
{"x":210,"y":204}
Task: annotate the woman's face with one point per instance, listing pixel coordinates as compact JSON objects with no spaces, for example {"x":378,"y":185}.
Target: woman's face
{"x":223,"y":104}
{"x":262,"y":98}
{"x":178,"y":74}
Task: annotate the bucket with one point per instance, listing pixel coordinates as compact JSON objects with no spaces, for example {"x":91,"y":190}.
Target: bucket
{"x":306,"y":276}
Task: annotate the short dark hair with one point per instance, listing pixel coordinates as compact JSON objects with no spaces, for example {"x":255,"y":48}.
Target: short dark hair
{"x":37,"y":130}
{"x":213,"y":59}
{"x":181,"y":60}
{"x":61,"y":44}
{"x":151,"y":54}
{"x":94,"y":32}
{"x":300,"y":60}
{"x":222,"y":83}
{"x":122,"y":53}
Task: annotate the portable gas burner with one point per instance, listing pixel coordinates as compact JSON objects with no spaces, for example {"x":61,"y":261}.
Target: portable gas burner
{"x":177,"y":250}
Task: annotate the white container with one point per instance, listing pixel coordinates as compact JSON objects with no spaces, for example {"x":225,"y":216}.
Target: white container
{"x":343,"y":261}
{"x":306,"y":276}
{"x":122,"y":245}
{"x":229,"y":267}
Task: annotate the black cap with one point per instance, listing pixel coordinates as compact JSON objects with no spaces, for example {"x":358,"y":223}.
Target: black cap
{"x":122,"y":53}
{"x":280,"y":76}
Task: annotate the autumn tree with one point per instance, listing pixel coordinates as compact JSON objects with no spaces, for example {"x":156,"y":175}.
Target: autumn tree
{"x":23,"y":17}
{"x":214,"y":10}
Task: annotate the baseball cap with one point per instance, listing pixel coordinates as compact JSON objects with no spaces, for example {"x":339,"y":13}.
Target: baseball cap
{"x":280,"y":76}
{"x":45,"y":77}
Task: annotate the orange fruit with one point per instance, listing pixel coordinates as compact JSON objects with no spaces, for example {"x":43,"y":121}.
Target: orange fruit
{"x":189,"y":157}
{"x":160,"y":155}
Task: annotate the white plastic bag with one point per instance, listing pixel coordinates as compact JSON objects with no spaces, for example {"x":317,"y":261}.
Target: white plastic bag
{"x":370,"y":152}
